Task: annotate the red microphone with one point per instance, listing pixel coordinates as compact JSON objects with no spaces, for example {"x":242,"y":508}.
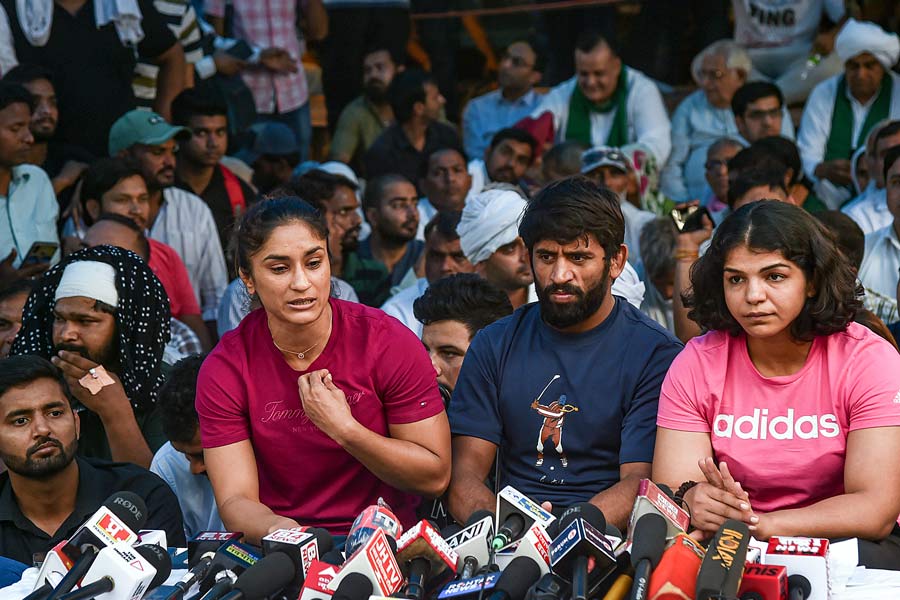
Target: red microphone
{"x":764,"y":582}
{"x":675,"y":577}
{"x":423,"y":555}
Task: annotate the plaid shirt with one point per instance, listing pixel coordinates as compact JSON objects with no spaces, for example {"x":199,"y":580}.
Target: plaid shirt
{"x":268,"y":24}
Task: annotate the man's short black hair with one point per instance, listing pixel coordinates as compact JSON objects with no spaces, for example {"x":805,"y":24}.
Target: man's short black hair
{"x":463,"y":297}
{"x":19,"y":286}
{"x":130,"y":224}
{"x":15,"y":93}
{"x":26,"y":73}
{"x":892,"y":128}
{"x":893,"y":154}
{"x":444,"y":223}
{"x":848,"y":236}
{"x":756,"y":156}
{"x":18,"y":371}
{"x":406,"y":89}
{"x":197,"y":101}
{"x":751,"y":92}
{"x":376,"y":187}
{"x":315,"y":186}
{"x":588,"y":40}
{"x":426,"y":164}
{"x":176,"y":400}
{"x":103,"y":176}
{"x":381,"y":48}
{"x":783,"y":150}
{"x":569,"y":210}
{"x":746,"y":179}
{"x":517,"y":135}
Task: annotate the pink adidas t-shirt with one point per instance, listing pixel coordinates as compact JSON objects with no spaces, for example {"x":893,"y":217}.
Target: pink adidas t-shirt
{"x":246,"y":390}
{"x":784,"y":438}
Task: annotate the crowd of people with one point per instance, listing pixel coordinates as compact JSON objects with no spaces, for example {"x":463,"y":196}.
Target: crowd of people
{"x":567,"y":290}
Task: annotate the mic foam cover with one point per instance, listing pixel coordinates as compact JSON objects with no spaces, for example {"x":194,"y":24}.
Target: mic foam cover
{"x":586,"y":511}
{"x":268,"y":576}
{"x":800,"y":582}
{"x":649,"y":539}
{"x":450,"y":530}
{"x":324,"y":539}
{"x":354,"y":586}
{"x":129,"y":507}
{"x":332,"y":557}
{"x":521,"y":573}
{"x":666,"y":490}
{"x":477,"y":516}
{"x":161,"y":561}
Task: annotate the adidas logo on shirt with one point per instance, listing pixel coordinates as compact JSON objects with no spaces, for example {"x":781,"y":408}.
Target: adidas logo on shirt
{"x":760,"y":426}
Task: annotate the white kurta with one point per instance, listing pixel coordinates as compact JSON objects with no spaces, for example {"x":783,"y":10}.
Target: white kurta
{"x":869,"y":209}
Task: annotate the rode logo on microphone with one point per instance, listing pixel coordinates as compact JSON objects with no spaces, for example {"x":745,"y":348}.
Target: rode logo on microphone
{"x":130,"y":507}
{"x":760,"y":426}
{"x":113,"y":529}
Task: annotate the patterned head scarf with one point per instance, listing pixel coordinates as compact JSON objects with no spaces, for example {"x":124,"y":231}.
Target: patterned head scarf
{"x":142,"y":319}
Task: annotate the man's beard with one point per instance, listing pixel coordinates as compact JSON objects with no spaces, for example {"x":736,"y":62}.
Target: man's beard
{"x":375,"y":91}
{"x":350,"y":242}
{"x":42,"y":468}
{"x":562,"y":316}
{"x":108,"y":356}
{"x":504,"y":175}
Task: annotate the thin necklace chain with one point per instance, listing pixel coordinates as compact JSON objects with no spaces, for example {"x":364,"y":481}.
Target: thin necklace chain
{"x":301,"y":355}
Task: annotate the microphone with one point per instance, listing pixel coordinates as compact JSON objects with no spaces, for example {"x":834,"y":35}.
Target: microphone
{"x":764,"y":582}
{"x":229,"y":561}
{"x":806,"y":557}
{"x":265,"y":578}
{"x":209,"y":541}
{"x":355,"y":586}
{"x":423,"y":555}
{"x":675,"y":578}
{"x":535,"y":544}
{"x":156,"y":537}
{"x":473,"y":543}
{"x":515,"y":514}
{"x":372,"y":518}
{"x":194,"y":574}
{"x":649,"y":537}
{"x":470,"y":589}
{"x":72,"y":577}
{"x":514,"y":582}
{"x":302,"y":545}
{"x":652,"y":499}
{"x":549,"y":587}
{"x":319,"y":576}
{"x":580,"y":540}
{"x":723,"y":566}
{"x":122,"y":572}
{"x":375,"y":559}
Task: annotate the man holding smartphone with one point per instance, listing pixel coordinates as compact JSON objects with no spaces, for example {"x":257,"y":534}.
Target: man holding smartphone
{"x":28,"y":208}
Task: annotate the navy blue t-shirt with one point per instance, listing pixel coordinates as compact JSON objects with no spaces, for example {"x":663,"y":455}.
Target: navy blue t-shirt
{"x":598,"y":410}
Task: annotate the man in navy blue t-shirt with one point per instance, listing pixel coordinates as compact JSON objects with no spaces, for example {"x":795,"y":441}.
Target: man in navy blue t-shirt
{"x":567,"y":388}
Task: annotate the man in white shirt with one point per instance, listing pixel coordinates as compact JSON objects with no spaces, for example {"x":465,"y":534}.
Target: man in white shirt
{"x":880,"y":268}
{"x":870,"y":209}
{"x":842,"y":110}
{"x":607,"y":103}
{"x":511,"y":153}
{"x":28,"y":207}
{"x":445,"y":182}
{"x":177,"y":217}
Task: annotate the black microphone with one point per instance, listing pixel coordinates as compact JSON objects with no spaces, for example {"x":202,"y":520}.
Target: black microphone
{"x":723,"y":566}
{"x":549,"y":587}
{"x":195,"y":574}
{"x":107,"y":582}
{"x":581,"y":538}
{"x":271,"y":574}
{"x":649,"y":541}
{"x":799,"y":587}
{"x":510,"y":530}
{"x":521,"y":573}
{"x":354,"y":586}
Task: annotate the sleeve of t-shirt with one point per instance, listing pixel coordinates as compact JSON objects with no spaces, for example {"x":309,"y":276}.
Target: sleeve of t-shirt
{"x":474,"y":408}
{"x":222,"y":400}
{"x":873,"y":398}
{"x":407,"y":381}
{"x":639,"y":425}
{"x":164,"y":512}
{"x":157,"y":36}
{"x":682,"y":393}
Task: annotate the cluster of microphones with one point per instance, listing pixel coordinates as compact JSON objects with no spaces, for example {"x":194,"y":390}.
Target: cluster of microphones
{"x":518,"y":552}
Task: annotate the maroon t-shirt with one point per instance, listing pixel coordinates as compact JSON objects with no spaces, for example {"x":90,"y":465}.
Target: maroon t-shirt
{"x":246,"y":390}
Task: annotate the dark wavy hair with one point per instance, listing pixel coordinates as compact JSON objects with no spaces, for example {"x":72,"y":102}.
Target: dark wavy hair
{"x":767,"y":226}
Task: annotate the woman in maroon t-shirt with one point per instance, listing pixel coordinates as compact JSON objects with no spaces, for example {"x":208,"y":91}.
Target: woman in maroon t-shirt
{"x":313,"y":407}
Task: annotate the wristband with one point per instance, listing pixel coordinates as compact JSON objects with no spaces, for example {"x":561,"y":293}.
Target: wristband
{"x":682,"y":490}
{"x":686,"y":254}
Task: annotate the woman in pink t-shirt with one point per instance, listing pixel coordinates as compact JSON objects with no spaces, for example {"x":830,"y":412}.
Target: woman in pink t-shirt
{"x":314,"y":408}
{"x":798,"y":405}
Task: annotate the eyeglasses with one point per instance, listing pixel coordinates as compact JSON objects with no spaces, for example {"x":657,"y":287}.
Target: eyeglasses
{"x":716,"y":164}
{"x":710,"y":75}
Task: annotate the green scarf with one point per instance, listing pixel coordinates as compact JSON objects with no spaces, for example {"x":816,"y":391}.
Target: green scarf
{"x":578,"y":126}
{"x":839,"y":145}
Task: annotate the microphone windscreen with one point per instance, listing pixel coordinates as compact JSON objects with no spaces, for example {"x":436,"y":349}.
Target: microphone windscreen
{"x":649,"y":539}
{"x":613,"y":531}
{"x":450,"y":530}
{"x":477,"y":516}
{"x":332,"y":557}
{"x":799,"y":582}
{"x":129,"y":507}
{"x":586,"y":511}
{"x":666,"y":490}
{"x":392,"y":543}
{"x":268,"y":576}
{"x":519,"y":575}
{"x":161,"y":561}
{"x":354,"y":586}
{"x":324,"y":539}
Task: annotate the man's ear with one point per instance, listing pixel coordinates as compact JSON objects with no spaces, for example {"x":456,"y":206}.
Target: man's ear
{"x":92,"y":207}
{"x":617,"y":261}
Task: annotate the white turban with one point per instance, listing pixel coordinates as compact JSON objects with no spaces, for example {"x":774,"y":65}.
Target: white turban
{"x":858,"y":37}
{"x":91,"y":279}
{"x":489,"y":220}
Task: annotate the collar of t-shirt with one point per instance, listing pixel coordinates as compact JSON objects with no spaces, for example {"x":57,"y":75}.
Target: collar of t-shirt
{"x":585,"y":338}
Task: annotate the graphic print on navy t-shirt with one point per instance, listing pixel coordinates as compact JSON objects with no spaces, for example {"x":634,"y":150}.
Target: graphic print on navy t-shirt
{"x":554,"y":415}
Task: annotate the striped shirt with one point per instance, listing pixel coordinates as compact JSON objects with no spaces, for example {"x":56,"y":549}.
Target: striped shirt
{"x":181,"y":19}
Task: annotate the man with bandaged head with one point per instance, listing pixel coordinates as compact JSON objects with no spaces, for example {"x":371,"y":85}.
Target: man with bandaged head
{"x":102,"y":317}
